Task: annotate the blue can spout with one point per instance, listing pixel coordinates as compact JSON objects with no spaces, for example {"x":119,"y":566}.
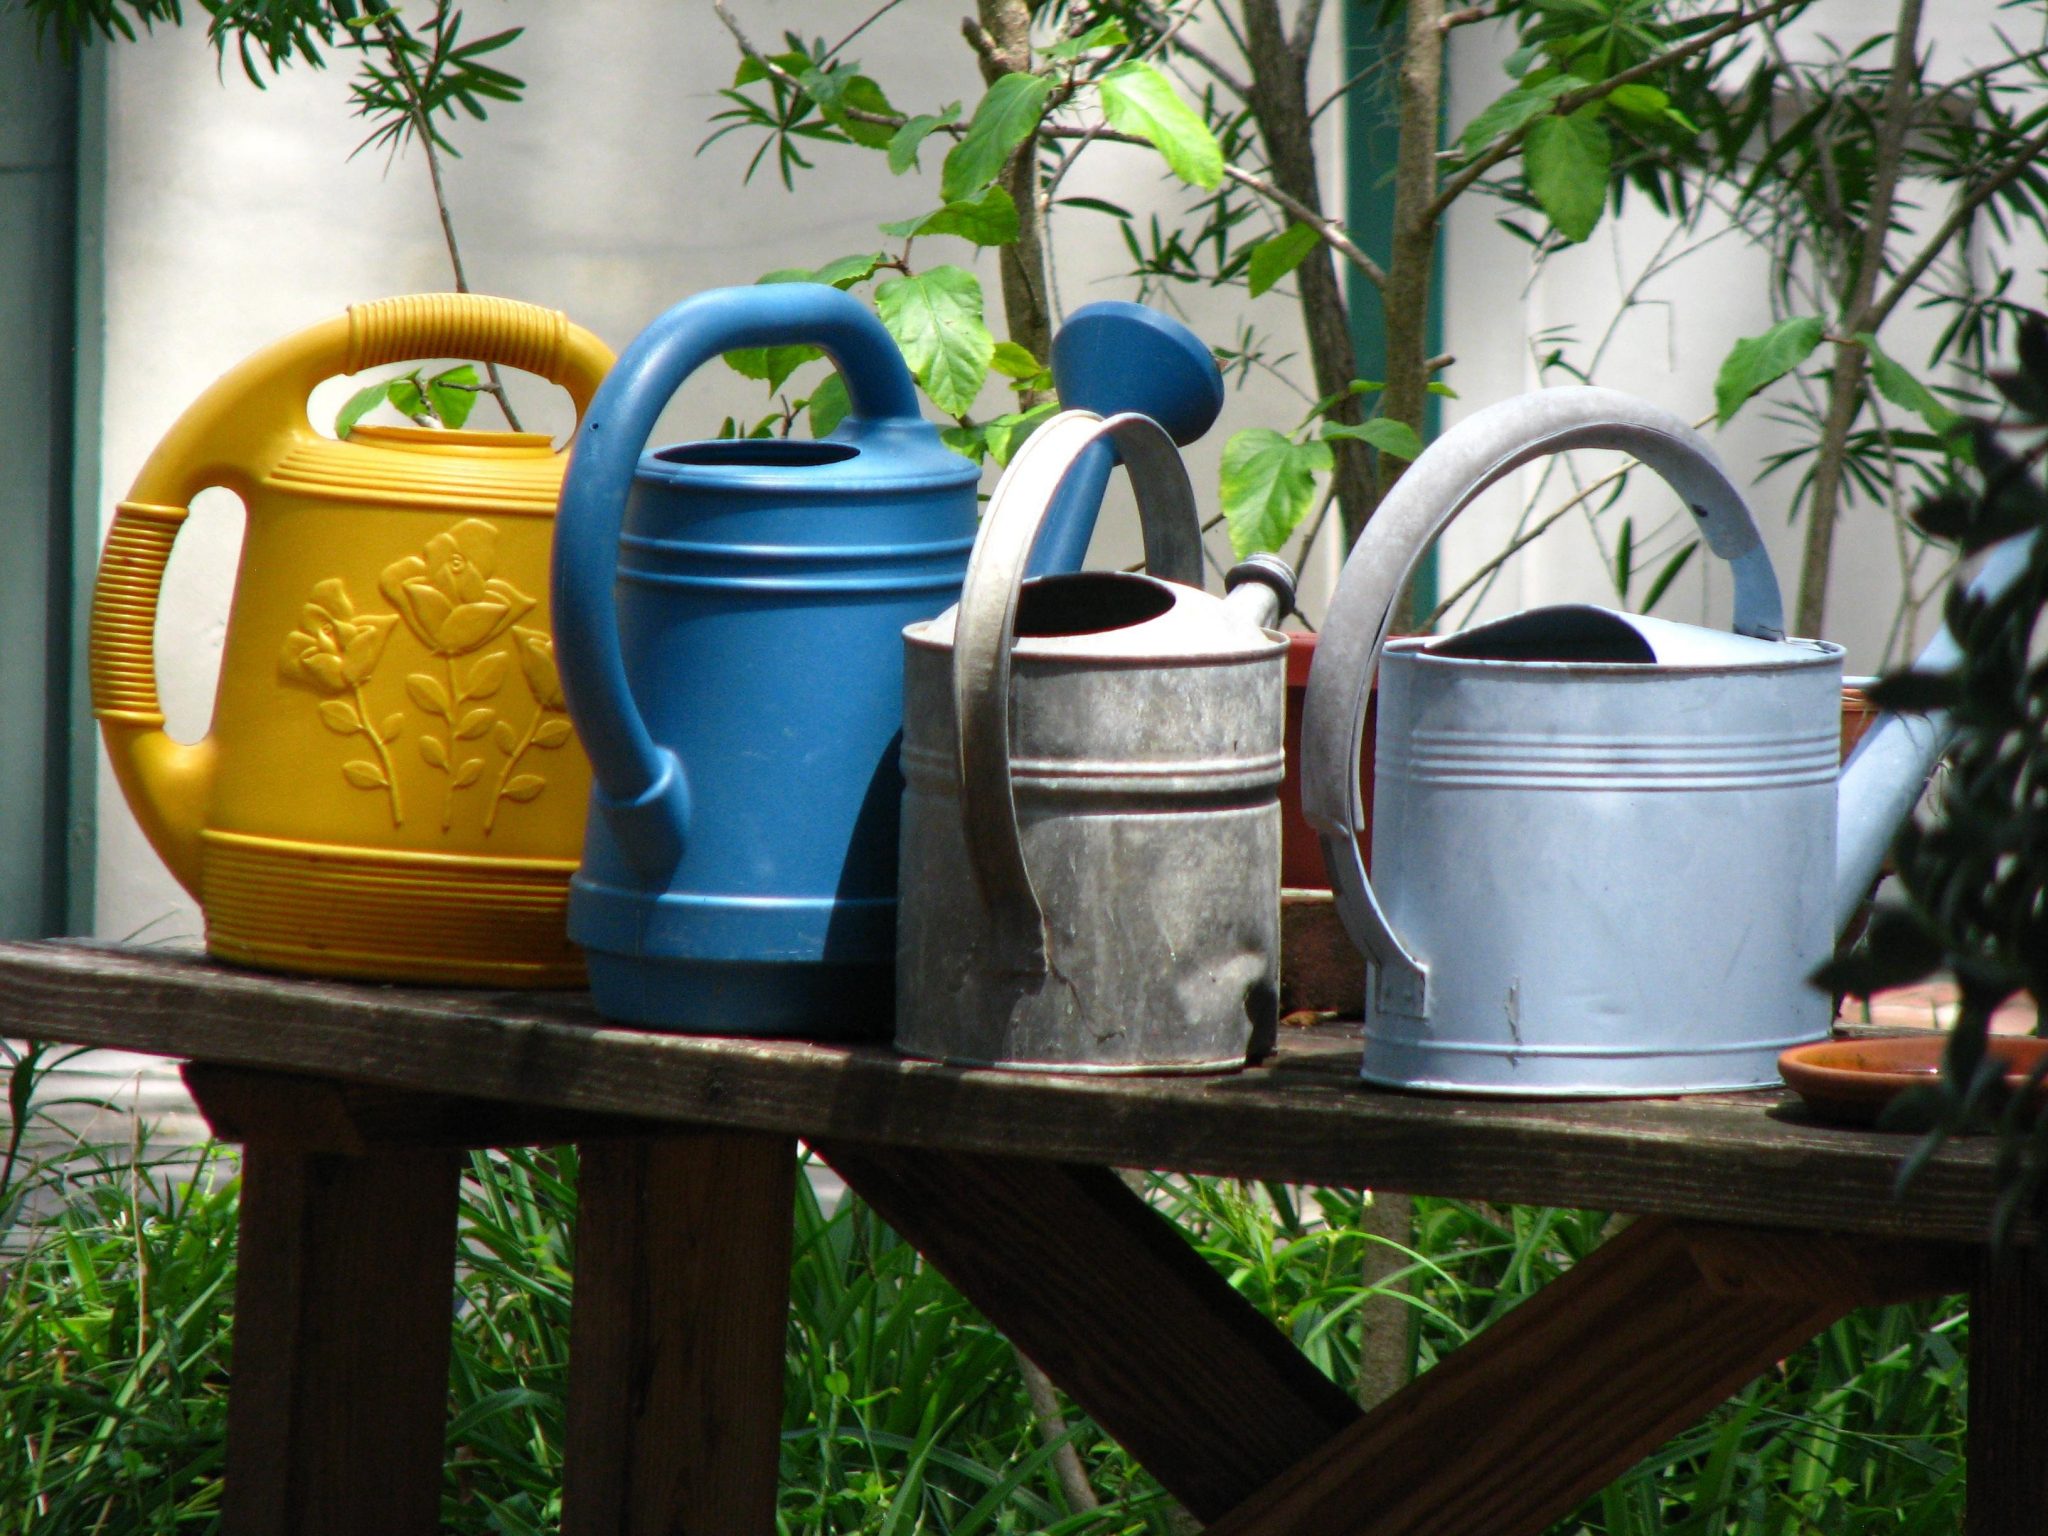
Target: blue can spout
{"x":1109,"y":358}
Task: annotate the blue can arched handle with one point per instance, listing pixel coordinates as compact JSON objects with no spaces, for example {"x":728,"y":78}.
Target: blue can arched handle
{"x":641,"y":787}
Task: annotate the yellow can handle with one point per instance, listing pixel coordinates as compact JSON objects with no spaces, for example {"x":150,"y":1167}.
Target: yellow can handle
{"x":248,"y":420}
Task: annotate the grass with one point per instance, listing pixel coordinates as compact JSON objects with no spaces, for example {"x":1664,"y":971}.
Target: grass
{"x":905,"y":1412}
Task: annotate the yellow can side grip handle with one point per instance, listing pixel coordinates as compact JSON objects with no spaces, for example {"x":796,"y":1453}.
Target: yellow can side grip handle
{"x":246,"y":421}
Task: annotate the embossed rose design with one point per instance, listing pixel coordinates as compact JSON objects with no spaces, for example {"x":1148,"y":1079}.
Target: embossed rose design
{"x":335,"y":650}
{"x":537,"y":661}
{"x":451,"y":599}
{"x":536,"y":650}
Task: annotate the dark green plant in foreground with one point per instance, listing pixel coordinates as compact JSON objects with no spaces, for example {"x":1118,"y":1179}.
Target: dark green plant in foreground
{"x":1974,"y":876}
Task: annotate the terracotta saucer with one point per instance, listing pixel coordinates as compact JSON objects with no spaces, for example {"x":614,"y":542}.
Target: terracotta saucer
{"x":1853,"y":1080}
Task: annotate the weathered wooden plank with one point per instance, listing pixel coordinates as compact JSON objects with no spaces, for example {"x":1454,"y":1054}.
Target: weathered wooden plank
{"x":337,"y":1417}
{"x":1827,"y":1266}
{"x":1547,"y":1406}
{"x":676,"y":1335}
{"x":316,"y":1114}
{"x":1303,"y":1118}
{"x":2008,"y":1465}
{"x":1114,"y":1305}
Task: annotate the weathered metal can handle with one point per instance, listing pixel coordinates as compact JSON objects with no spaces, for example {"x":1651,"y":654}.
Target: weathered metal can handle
{"x":1446,"y":479}
{"x":985,"y":630}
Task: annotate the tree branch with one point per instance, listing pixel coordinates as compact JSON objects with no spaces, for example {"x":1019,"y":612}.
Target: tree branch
{"x":1571,"y":101}
{"x":1301,"y":37}
{"x":1331,"y":231}
{"x":423,"y":130}
{"x":2022,"y":159}
{"x":1845,"y":380}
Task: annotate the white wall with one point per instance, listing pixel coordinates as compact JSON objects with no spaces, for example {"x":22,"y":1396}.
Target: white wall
{"x":1668,"y":349}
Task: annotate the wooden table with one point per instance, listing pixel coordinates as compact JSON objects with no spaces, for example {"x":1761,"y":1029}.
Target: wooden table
{"x":355,"y":1104}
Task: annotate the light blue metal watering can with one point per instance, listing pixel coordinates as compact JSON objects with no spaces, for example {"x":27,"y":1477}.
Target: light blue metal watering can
{"x":1608,"y":850}
{"x":728,"y":616}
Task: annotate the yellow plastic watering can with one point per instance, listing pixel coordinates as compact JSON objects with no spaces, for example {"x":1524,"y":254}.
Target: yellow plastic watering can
{"x":391,"y":787}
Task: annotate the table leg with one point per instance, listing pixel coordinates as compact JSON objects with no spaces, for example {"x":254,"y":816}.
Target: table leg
{"x":2008,"y":1489}
{"x":337,"y":1416}
{"x":676,"y":1335}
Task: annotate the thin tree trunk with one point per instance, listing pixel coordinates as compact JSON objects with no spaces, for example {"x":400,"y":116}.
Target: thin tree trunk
{"x":1845,"y":383}
{"x":1384,"y":1319}
{"x":1278,"y":97}
{"x":1004,"y":44}
{"x":1412,"y":267}
{"x":1414,"y":247}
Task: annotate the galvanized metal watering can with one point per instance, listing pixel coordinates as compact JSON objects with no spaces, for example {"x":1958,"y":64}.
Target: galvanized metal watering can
{"x":389,"y":787}
{"x":1091,"y":823}
{"x":1605,"y":852}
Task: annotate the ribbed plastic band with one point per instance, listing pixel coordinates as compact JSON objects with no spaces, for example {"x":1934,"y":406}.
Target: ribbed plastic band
{"x":356,"y":912}
{"x":502,"y":331}
{"x":124,"y":601}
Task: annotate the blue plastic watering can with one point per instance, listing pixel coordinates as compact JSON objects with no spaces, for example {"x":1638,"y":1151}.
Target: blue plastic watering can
{"x":728,"y":619}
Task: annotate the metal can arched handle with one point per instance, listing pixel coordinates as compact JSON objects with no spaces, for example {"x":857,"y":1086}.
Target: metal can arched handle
{"x":985,"y":631}
{"x":1440,"y":484}
{"x":641,"y":786}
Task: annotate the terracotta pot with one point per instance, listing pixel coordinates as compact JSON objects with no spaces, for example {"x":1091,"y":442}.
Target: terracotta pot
{"x":1301,"y":857}
{"x":1857,"y":713}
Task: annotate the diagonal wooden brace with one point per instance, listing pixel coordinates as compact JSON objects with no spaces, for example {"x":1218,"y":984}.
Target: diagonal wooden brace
{"x":1108,"y":1298}
{"x":1578,"y":1383}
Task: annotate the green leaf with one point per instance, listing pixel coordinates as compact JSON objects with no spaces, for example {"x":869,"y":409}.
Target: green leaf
{"x":1014,"y":361}
{"x":1273,"y":259}
{"x":1382,"y":432}
{"x":1639,"y":100}
{"x":936,"y":320}
{"x":1268,"y":486}
{"x":841,"y":90}
{"x":1004,"y":435}
{"x":1898,"y":385}
{"x":848,"y":270}
{"x":1667,"y":575}
{"x":453,"y":393}
{"x":405,"y":395}
{"x":908,"y":139}
{"x":1109,"y":34}
{"x":968,"y":442}
{"x":990,"y":219}
{"x":1756,"y":361}
{"x":1516,"y":108}
{"x":1004,"y":119}
{"x":773,"y":364}
{"x":1138,"y":99}
{"x":828,"y":406}
{"x":360,"y":404}
{"x":1567,"y":161}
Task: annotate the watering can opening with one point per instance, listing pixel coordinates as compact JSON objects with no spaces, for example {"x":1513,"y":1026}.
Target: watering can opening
{"x":1574,"y":632}
{"x":1088,"y":603}
{"x":1580,"y":634}
{"x":759,"y":453}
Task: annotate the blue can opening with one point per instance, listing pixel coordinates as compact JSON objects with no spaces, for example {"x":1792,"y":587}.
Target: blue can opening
{"x":759,"y":452}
